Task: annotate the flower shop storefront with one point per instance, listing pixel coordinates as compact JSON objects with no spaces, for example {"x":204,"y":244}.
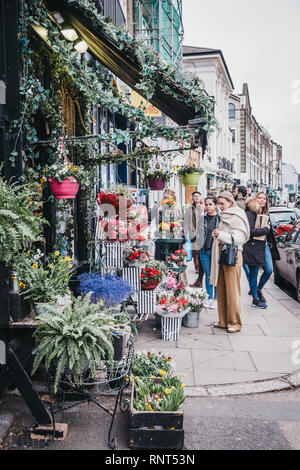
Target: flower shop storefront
{"x":73,"y":132}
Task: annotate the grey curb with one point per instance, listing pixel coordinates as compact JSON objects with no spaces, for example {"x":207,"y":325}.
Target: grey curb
{"x":286,"y":382}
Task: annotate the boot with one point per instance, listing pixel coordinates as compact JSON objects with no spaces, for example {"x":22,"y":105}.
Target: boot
{"x":198,"y":283}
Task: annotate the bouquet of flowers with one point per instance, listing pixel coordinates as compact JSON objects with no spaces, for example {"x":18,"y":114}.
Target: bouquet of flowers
{"x":152,"y":364}
{"x":178,"y":257}
{"x":172,"y":284}
{"x":166,"y":394}
{"x":169,"y":304}
{"x":115,"y":230}
{"x":117,"y":196}
{"x":168,"y":202}
{"x":150,"y":278}
{"x":195,"y":298}
{"x":135,"y":255}
{"x":109,"y":288}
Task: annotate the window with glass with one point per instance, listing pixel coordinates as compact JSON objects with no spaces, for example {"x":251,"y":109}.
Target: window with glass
{"x":231,"y":111}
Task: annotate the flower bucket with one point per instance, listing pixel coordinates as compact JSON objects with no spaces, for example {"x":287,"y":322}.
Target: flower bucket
{"x":191,"y":179}
{"x":67,"y":189}
{"x":149,"y":285}
{"x":156,"y":184}
{"x":191,"y":320}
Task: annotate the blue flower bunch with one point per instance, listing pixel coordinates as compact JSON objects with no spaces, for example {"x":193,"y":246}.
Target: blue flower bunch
{"x":109,"y":288}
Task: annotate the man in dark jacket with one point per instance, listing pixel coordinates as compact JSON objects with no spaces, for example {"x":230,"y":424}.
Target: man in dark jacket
{"x":191,"y":226}
{"x":241,"y":196}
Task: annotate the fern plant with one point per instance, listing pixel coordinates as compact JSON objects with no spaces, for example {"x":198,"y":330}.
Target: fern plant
{"x":18,"y":220}
{"x":72,"y":338}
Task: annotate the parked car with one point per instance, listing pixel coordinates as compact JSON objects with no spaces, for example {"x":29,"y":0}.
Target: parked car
{"x":283,"y":219}
{"x":288,"y":268}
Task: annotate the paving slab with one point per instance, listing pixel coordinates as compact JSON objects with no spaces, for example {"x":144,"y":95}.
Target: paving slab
{"x":207,"y":377}
{"x":247,"y":330}
{"x":224,"y":360}
{"x":194,"y":341}
{"x":258,"y":343}
{"x":280,"y":330}
{"x":293,"y":343}
{"x":273,"y":362}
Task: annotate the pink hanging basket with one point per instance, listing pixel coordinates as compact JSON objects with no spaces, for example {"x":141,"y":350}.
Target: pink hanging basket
{"x":156,"y":184}
{"x":67,"y":189}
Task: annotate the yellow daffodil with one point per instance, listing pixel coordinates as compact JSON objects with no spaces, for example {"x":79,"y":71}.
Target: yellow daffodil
{"x":149,"y":407}
{"x":42,"y":180}
{"x":162,"y":372}
{"x":21,"y":284}
{"x":70,"y":266}
{"x":13,"y":277}
{"x":45,"y":170}
{"x":182,"y":386}
{"x":28,"y":252}
{"x":57,"y":253}
{"x":75,"y":168}
{"x":34,"y":266}
{"x":67,"y":258}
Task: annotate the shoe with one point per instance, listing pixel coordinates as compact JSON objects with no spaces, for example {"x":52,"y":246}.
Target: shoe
{"x":207,"y":304}
{"x":249,"y":293}
{"x":232,"y":330}
{"x":197,"y":284}
{"x":216,"y":325}
{"x":261,"y":297}
{"x":213,"y":304}
{"x":259,"y":304}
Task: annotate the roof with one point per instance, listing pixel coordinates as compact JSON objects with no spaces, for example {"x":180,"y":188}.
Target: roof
{"x":124,"y":64}
{"x":189,"y":51}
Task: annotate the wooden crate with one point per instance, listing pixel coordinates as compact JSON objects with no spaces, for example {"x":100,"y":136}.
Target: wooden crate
{"x":152,"y":429}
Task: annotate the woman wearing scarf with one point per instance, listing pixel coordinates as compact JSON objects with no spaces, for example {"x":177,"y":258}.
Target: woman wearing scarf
{"x":234,"y":223}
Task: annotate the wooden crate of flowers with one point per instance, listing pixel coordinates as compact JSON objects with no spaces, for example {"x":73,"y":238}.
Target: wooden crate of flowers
{"x":155,"y":420}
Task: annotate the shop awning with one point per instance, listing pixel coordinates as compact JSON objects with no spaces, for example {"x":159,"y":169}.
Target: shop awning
{"x":122,"y":63}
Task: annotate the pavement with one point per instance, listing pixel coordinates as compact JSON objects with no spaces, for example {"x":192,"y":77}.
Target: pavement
{"x":264,"y":356}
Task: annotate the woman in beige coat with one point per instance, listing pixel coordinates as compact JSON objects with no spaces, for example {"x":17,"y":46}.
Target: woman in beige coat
{"x":234,"y":223}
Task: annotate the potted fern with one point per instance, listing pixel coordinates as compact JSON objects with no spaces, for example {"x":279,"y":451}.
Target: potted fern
{"x":73,"y":340}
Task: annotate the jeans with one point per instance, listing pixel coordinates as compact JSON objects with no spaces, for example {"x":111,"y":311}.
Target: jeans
{"x":205,"y":257}
{"x":254,"y":270}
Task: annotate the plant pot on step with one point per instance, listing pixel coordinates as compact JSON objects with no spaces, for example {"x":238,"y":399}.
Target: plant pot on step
{"x":191,"y":179}
{"x":67,"y":189}
{"x":156,"y":184}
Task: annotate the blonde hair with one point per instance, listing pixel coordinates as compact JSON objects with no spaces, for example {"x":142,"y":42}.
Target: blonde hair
{"x":267,"y":206}
{"x":172,"y":193}
{"x":228,"y":196}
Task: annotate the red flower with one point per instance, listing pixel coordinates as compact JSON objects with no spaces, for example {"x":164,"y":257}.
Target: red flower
{"x":143,"y":276}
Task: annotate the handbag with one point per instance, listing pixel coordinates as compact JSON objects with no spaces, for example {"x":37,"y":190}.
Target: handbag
{"x":229,"y":253}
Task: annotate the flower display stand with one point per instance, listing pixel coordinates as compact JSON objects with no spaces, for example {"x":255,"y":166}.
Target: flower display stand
{"x":112,"y":254}
{"x":155,"y":429}
{"x":132,"y":275}
{"x":170,"y":325}
{"x":146,"y":302}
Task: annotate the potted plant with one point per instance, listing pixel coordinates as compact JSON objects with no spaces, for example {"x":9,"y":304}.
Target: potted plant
{"x":171,"y":309}
{"x":152,"y":364}
{"x":117,"y":196}
{"x":135,"y":256}
{"x":157,"y":179}
{"x":110,"y":289}
{"x":190,"y":175}
{"x":74,"y":340}
{"x":196,"y":299}
{"x":63,"y":177}
{"x":178,"y":257}
{"x":150,"y":278}
{"x":43,"y":281}
{"x":156,"y":417}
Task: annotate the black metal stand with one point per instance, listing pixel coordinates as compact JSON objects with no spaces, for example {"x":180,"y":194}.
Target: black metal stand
{"x":112,"y":378}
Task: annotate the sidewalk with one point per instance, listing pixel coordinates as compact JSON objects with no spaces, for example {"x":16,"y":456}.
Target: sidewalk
{"x":254,"y":359}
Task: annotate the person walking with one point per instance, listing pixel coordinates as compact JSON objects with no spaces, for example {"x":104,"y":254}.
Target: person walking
{"x":192,"y":217}
{"x":210,"y":221}
{"x":257,"y":252}
{"x":240,"y":196}
{"x":233,"y":225}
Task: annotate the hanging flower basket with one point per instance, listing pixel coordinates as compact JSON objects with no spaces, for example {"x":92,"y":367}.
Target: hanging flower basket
{"x":67,"y":189}
{"x":156,"y":184}
{"x":190,"y":179}
{"x":149,"y":285}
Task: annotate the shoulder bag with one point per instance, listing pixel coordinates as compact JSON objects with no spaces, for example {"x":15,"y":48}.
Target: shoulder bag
{"x":229,"y":253}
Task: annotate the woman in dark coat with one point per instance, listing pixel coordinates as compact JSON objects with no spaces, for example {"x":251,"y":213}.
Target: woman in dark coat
{"x":260,"y":250}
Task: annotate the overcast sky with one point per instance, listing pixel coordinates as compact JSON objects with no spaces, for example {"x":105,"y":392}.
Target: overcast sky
{"x":260,"y":40}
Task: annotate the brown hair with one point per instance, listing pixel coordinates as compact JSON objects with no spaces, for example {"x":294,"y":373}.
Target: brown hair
{"x":267,"y":206}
